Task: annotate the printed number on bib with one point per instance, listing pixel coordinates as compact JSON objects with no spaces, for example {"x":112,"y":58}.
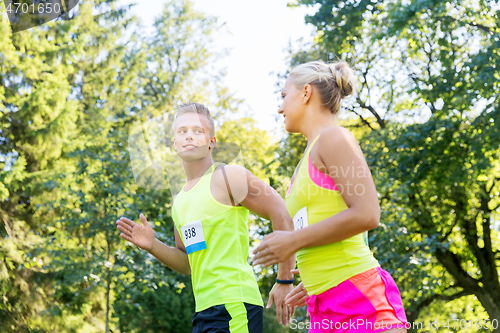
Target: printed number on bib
{"x":193,"y":237}
{"x":300,"y":219}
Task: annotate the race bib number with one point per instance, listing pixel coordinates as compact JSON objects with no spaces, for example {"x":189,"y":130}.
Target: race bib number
{"x":300,"y":219}
{"x":193,"y":237}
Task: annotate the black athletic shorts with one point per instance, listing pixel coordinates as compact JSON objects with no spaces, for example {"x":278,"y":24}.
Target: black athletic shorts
{"x":229,"y":318}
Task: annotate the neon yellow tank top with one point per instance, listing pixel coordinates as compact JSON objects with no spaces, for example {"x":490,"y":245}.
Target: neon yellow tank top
{"x":324,"y":267}
{"x":217,"y":242}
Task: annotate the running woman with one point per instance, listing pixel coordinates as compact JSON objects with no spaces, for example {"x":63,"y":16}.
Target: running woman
{"x":333,"y":201}
{"x":211,"y":232}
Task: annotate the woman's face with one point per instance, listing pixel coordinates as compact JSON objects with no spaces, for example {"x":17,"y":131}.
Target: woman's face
{"x":292,"y":108}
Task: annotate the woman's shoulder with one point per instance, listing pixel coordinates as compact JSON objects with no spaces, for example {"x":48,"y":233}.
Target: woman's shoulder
{"x":337,"y":137}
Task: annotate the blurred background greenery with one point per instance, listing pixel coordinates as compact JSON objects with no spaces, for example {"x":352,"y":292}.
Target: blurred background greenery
{"x":426,"y":115}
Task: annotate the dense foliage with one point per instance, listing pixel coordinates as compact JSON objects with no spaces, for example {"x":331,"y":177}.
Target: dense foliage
{"x":427,"y":116}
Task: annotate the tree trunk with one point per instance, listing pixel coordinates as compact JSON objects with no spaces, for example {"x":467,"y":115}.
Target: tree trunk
{"x":491,"y":307}
{"x":488,"y":296}
{"x":108,"y":286}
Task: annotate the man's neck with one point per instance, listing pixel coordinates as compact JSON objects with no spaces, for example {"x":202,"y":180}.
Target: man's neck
{"x":196,"y":169}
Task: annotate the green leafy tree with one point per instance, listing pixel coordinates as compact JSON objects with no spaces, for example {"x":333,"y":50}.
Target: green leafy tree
{"x":429,"y":95}
{"x":38,"y":116}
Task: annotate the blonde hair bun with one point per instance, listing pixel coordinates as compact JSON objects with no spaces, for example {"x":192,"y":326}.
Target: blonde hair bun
{"x":344,"y":77}
{"x":334,"y":81}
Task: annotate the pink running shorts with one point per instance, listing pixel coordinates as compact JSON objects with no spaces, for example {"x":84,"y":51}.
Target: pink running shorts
{"x":367,"y":302}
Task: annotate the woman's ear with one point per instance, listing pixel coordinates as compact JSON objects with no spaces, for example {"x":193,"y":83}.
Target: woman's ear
{"x":307,"y":93}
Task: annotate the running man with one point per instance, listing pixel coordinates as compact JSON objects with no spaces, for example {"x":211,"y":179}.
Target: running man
{"x":211,"y":232}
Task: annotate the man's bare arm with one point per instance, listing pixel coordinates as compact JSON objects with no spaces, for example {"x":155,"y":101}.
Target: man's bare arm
{"x":262,"y":200}
{"x":143,"y":236}
{"x":173,"y":257}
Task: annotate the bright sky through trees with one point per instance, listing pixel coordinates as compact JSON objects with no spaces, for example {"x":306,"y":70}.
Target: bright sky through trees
{"x":257,"y":34}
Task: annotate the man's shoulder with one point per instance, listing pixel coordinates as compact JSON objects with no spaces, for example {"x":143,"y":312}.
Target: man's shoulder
{"x":232,"y":178}
{"x":233,"y":174}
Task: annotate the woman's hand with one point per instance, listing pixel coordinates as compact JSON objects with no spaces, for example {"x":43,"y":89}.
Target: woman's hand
{"x":276,"y":247}
{"x":141,"y":235}
{"x":297,"y":297}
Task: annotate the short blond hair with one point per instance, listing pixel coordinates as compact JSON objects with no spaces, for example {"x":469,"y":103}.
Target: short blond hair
{"x":334,"y":81}
{"x":193,"y":107}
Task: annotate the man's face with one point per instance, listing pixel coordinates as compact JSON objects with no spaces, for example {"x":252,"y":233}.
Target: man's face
{"x":192,"y":137}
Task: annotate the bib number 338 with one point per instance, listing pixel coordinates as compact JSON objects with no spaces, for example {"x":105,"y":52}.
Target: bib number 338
{"x":192,"y":234}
